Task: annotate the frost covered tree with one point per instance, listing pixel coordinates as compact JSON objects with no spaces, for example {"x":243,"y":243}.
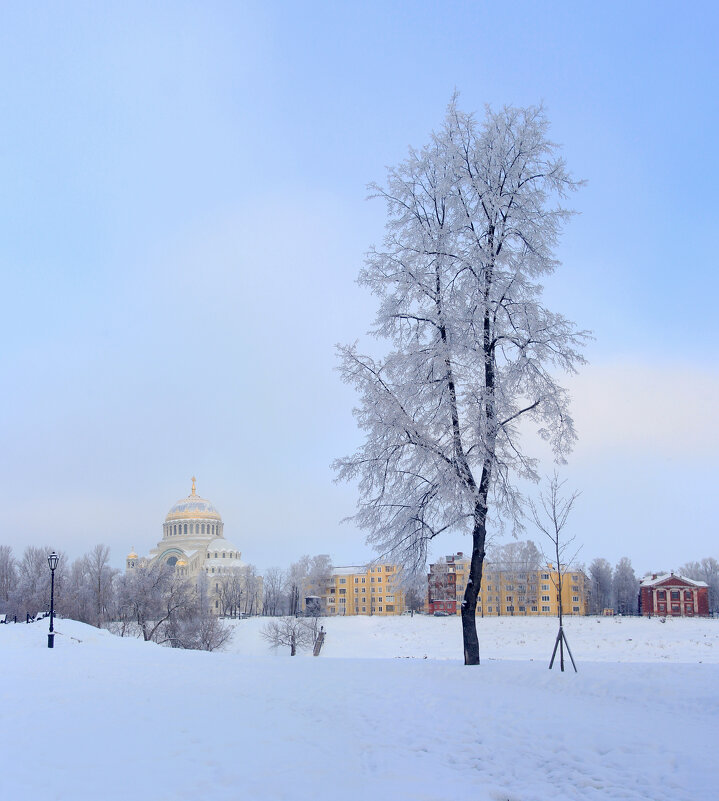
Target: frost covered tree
{"x":100,"y":576}
{"x":8,"y":576}
{"x":272,"y":599}
{"x":600,"y":586}
{"x":151,"y":599}
{"x":32,"y":588}
{"x":625,"y":586}
{"x":415,"y":592}
{"x":295,"y":582}
{"x":291,"y":632}
{"x":230,"y":592}
{"x":522,"y":557}
{"x":707,"y":570}
{"x":251,"y":583}
{"x":472,"y":222}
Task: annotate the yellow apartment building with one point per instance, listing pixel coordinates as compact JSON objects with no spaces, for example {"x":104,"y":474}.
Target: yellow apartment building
{"x":507,"y":589}
{"x":363,"y":590}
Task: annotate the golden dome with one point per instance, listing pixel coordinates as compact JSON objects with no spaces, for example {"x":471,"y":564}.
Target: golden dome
{"x":132,"y":554}
{"x":193,"y":508}
{"x":180,"y":563}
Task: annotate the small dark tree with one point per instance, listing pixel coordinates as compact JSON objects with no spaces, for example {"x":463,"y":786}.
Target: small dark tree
{"x":291,"y":632}
{"x":550,"y":517}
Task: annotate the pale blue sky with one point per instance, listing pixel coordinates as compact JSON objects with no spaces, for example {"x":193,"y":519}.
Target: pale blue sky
{"x":182,"y":219}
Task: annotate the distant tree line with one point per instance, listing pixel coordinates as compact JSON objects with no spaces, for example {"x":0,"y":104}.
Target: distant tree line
{"x":158,"y":604}
{"x":155,"y":603}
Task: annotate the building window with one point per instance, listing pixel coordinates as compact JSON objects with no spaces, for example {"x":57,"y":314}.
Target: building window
{"x":380,"y":608}
{"x":545,"y":597}
{"x":545,"y":586}
{"x":545,"y":609}
{"x":363,"y":579}
{"x":575,"y":609}
{"x":575,"y":589}
{"x":356,"y":581}
{"x":545,"y":576}
{"x":343,"y":581}
{"x":675,"y":595}
{"x":364,"y":608}
{"x":575,"y":598}
{"x":534,"y":609}
{"x":675,"y":607}
{"x":522,"y":608}
{"x":688,"y":595}
{"x":662,"y":595}
{"x":185,"y":528}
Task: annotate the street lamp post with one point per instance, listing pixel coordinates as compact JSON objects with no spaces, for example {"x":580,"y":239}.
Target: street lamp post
{"x":52,"y":561}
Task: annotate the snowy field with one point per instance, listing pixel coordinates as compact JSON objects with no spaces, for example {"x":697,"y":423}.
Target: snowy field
{"x":101,"y":717}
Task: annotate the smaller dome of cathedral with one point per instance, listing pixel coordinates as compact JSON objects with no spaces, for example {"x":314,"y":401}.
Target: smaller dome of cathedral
{"x":181,"y":563}
{"x":132,"y":554}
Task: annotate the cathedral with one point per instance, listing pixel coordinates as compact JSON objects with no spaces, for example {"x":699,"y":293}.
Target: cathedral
{"x":193,"y":543}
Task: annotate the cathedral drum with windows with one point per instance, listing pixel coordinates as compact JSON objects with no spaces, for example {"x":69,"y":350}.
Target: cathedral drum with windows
{"x":193,"y":544}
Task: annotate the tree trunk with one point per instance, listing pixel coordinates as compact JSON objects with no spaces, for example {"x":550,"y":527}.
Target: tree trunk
{"x":474,"y":582}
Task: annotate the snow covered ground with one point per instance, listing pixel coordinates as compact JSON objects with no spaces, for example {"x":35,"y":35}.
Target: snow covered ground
{"x":101,"y":717}
{"x":594,"y":639}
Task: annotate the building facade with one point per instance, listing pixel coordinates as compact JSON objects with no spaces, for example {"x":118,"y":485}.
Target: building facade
{"x":360,"y":590}
{"x":673,"y":595}
{"x":507,"y":589}
{"x":193,"y":543}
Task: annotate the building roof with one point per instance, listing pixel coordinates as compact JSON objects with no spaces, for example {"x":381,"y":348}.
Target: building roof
{"x":655,"y":580}
{"x":349,"y":570}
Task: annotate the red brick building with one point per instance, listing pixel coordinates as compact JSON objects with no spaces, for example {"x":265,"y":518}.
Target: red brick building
{"x":442,"y":588}
{"x":673,"y":595}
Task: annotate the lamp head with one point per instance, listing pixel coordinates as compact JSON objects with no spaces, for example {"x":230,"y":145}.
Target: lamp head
{"x":52,"y":560}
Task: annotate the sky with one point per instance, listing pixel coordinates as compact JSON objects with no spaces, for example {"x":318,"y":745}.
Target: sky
{"x":183,"y":216}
